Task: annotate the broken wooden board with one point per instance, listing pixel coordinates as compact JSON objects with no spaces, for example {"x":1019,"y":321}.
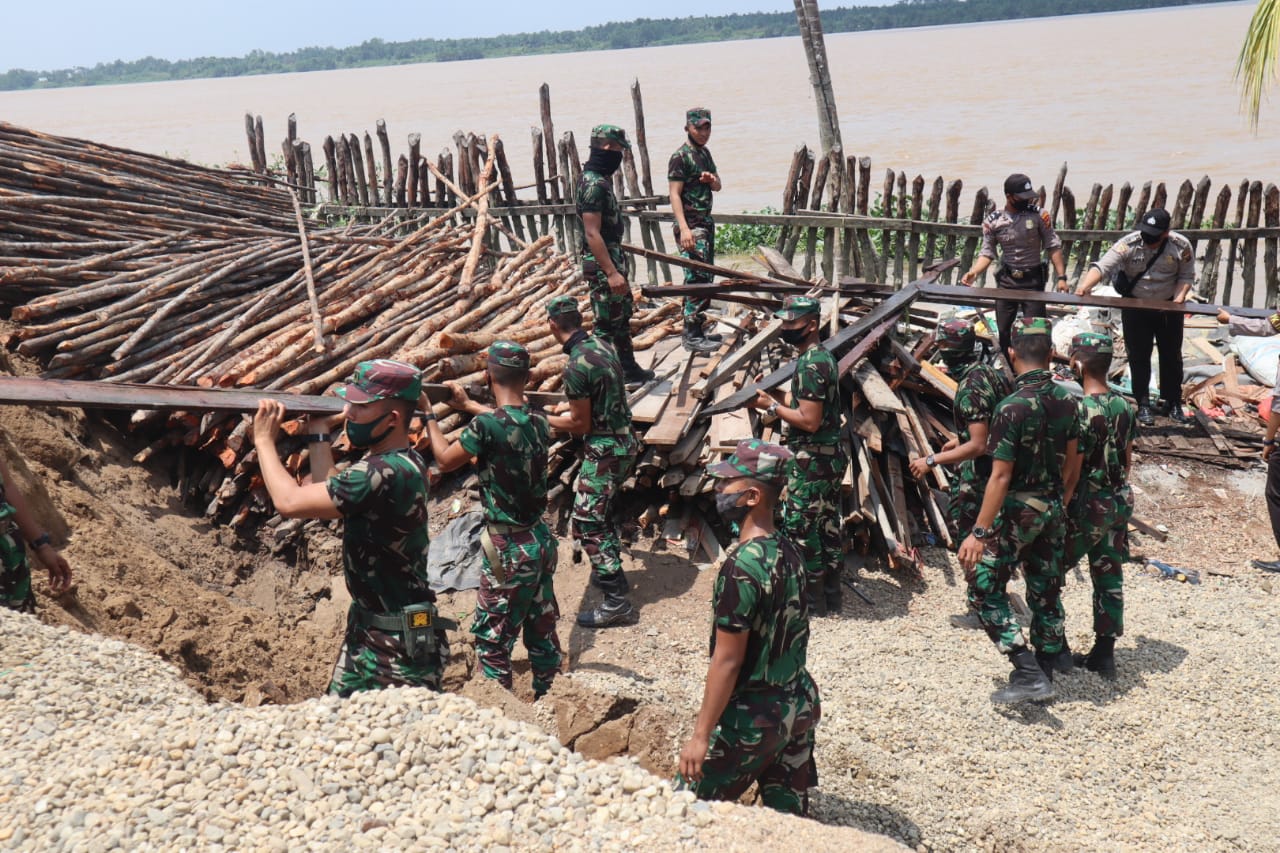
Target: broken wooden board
{"x":1215,"y":434}
{"x":1207,"y":348}
{"x":940,"y":381}
{"x":682,"y":407}
{"x":728,"y":428}
{"x":737,"y":359}
{"x":878,"y":393}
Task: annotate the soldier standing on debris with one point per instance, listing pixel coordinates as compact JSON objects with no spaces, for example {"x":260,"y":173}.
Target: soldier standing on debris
{"x":1034,"y":444}
{"x":1098,"y":515}
{"x":509,"y":445}
{"x":603,"y":265}
{"x":980,"y":389}
{"x":760,"y":706}
{"x":18,"y":529}
{"x":692,"y":178}
{"x":597,"y":409}
{"x":811,"y":506}
{"x":394,"y":636}
{"x":1157,"y":264}
{"x":1024,"y":234}
{"x":1265,"y":328}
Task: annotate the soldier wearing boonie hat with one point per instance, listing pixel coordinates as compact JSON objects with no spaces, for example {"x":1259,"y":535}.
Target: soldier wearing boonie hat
{"x":1023,"y":234}
{"x":759,"y":648}
{"x":1034,"y":442}
{"x":509,"y":444}
{"x":692,"y":179}
{"x":1099,"y":512}
{"x":394,"y":634}
{"x":979,"y":389}
{"x":1158,"y":264}
{"x":597,"y":409}
{"x":603,"y":265}
{"x":811,"y":508}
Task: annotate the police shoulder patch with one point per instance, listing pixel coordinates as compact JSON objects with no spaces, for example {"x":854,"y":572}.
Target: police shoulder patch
{"x":1044,"y":215}
{"x":1186,"y":254}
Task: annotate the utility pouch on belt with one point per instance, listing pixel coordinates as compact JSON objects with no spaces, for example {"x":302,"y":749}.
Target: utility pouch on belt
{"x":419,"y":630}
{"x":491,"y":554}
{"x":1035,"y":502}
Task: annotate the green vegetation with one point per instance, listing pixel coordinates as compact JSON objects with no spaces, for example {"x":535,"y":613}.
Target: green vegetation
{"x":644,"y":32}
{"x":743,"y":239}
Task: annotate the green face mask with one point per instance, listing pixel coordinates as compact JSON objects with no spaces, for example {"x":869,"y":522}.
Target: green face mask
{"x":958,"y":363}
{"x":362,"y":435}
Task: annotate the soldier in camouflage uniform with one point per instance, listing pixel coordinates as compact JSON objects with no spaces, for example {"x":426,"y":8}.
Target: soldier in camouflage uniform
{"x":597,"y":410}
{"x":18,"y":529}
{"x":603,"y":265}
{"x":811,"y":506}
{"x":692,"y":178}
{"x":394,"y":636}
{"x":1034,"y":446}
{"x":1023,"y":233}
{"x":1099,"y":512}
{"x":509,"y":445}
{"x":980,"y":389}
{"x":760,"y":706}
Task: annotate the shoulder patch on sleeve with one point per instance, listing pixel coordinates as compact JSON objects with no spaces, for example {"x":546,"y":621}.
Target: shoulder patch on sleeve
{"x":1044,"y":217}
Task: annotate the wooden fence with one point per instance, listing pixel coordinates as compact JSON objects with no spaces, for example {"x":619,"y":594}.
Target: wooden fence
{"x":834,"y":214}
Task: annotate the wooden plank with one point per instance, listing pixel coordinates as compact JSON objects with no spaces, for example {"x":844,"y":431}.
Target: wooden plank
{"x":737,"y":359}
{"x":728,"y":428}
{"x":975,"y":295}
{"x":878,"y":393}
{"x":649,"y":408}
{"x":1215,"y":435}
{"x":864,"y":424}
{"x":933,"y":375}
{"x":680,"y":410}
{"x":899,"y":491}
{"x":1208,"y":349}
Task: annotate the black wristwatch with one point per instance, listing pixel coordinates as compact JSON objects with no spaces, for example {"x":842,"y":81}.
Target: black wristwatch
{"x":1062,"y":278}
{"x":40,"y":541}
{"x":981,"y":532}
{"x":930,"y":461}
{"x":320,"y":437}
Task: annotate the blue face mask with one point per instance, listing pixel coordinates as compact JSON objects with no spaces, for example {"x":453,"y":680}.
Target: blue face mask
{"x":728,"y":508}
{"x":362,"y":435}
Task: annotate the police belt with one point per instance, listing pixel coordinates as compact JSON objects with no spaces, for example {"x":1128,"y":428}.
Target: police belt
{"x":497,"y":528}
{"x":1030,"y":273}
{"x":422,"y":615}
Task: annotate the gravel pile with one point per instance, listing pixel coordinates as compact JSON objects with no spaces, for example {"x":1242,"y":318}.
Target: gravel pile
{"x":105,"y":748}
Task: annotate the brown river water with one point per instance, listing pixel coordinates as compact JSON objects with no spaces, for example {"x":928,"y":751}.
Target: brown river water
{"x":1124,"y":96}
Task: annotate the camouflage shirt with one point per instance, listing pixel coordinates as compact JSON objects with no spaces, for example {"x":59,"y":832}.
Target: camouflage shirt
{"x":686,"y":166}
{"x":1031,"y":429}
{"x":510,"y":446}
{"x":594,"y":373}
{"x":981,"y":389}
{"x":760,"y":589}
{"x":817,"y":378}
{"x":595,"y":195}
{"x":383,"y":501}
{"x":1108,"y":425}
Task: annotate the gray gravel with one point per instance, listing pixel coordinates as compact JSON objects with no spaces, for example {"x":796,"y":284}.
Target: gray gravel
{"x":104,"y":747}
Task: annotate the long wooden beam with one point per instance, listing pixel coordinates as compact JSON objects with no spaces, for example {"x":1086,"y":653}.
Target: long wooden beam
{"x":29,"y":391}
{"x":699,"y":266}
{"x":662,"y":291}
{"x":959,"y":294}
{"x":891,"y":307}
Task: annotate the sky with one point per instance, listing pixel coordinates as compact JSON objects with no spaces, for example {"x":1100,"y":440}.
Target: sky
{"x":67,"y":33}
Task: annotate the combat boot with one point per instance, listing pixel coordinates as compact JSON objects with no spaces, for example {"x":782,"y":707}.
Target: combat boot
{"x":1061,"y":661}
{"x":1101,"y":658}
{"x":695,"y":340}
{"x":614,"y":610}
{"x":634,"y":374}
{"x":711,"y":336}
{"x":832,"y":592}
{"x":1027,"y":682}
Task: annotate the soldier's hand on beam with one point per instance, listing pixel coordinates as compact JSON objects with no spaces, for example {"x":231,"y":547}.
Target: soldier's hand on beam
{"x":458,"y":399}
{"x":763,"y":400}
{"x":266,"y":423}
{"x":919,"y":468}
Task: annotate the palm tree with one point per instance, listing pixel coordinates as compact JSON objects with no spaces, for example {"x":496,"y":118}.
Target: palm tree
{"x":1256,"y":67}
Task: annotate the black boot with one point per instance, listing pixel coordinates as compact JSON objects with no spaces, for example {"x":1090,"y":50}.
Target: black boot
{"x":711,"y":336}
{"x":1101,"y":658}
{"x":634,"y":374}
{"x":1060,"y":661}
{"x":614,"y":610}
{"x":1027,"y":682}
{"x":695,"y":341}
{"x":832,"y":592}
{"x":1145,"y":417}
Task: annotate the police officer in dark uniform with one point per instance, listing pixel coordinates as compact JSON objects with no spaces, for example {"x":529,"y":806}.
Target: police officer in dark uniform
{"x":1024,"y":233}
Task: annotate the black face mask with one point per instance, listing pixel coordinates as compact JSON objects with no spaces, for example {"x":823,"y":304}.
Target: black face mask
{"x":1148,"y":240}
{"x":602,"y":161}
{"x":728,"y":508}
{"x":958,"y":363}
{"x":1023,"y":204}
{"x":795,"y":337}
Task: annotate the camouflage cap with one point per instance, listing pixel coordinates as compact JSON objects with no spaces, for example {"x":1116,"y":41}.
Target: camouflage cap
{"x":1094,"y":343}
{"x":794,"y":307}
{"x":697,"y":116}
{"x":1025,"y":326}
{"x":955,"y":334}
{"x":560,"y":305}
{"x":382,"y":379}
{"x":610,"y":133}
{"x":756,"y":459}
{"x":509,"y":354}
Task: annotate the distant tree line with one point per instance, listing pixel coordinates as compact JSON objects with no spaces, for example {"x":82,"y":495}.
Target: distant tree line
{"x":643,"y":32}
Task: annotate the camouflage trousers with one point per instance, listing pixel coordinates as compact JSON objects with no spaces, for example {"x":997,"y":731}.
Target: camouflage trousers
{"x":704,"y":249}
{"x":1031,"y":530}
{"x":371,"y":660}
{"x":606,"y":463}
{"x":765,"y":736}
{"x":612,"y":310}
{"x":1098,"y":525}
{"x":524,"y":603}
{"x":963,"y":508}
{"x":811,"y":512}
{"x":15,"y":572}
